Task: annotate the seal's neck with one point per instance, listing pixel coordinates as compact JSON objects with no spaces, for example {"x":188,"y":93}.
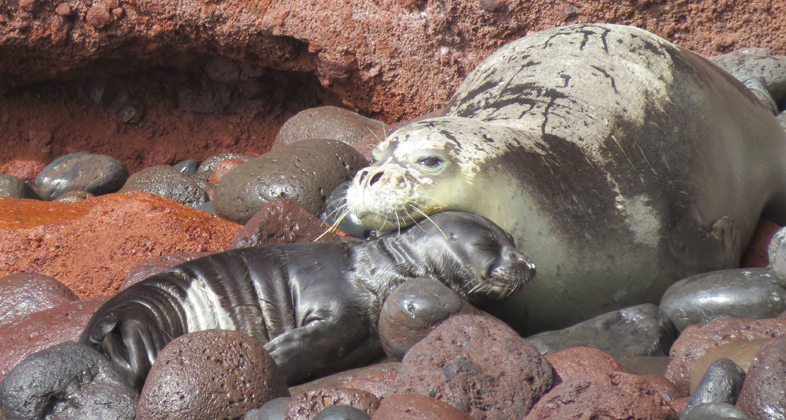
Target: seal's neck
{"x":397,"y":258}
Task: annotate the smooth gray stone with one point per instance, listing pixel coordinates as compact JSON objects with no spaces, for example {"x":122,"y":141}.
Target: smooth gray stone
{"x":275,"y":409}
{"x":207,"y":207}
{"x":759,"y":63}
{"x":206,"y":168}
{"x":776,"y":252}
{"x":739,"y":293}
{"x":305,"y":172}
{"x":13,"y":187}
{"x":715,"y":411}
{"x":166,"y":181}
{"x":96,"y":174}
{"x":187,"y":167}
{"x":337,"y":207}
{"x":330,"y":123}
{"x":342,"y":412}
{"x":721,"y":383}
{"x":67,"y":381}
{"x":642,"y":330}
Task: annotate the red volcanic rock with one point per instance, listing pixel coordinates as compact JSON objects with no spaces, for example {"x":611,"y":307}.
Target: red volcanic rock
{"x":417,"y":407}
{"x":308,"y":404}
{"x":387,"y":59}
{"x":23,"y":169}
{"x":615,"y":395}
{"x":576,"y":362}
{"x":478,"y":365}
{"x":22,"y":294}
{"x":213,"y":374}
{"x":379,"y":384}
{"x":700,"y":339}
{"x":764,"y":390}
{"x":44,"y":329}
{"x":223,"y":168}
{"x":283,"y":221}
{"x":90,"y":245}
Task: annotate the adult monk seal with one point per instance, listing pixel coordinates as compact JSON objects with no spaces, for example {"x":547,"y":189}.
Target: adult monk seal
{"x":619,"y":162}
{"x":315,"y":306}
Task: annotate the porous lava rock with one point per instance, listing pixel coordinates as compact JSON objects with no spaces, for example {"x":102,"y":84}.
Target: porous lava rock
{"x":209,"y":375}
{"x":576,"y":362}
{"x":166,"y":181}
{"x":44,"y":329}
{"x":763,"y":394}
{"x":25,"y":293}
{"x":307,"y":405}
{"x":67,"y":381}
{"x":698,"y":340}
{"x":417,"y":407}
{"x":615,"y":395}
{"x":413,"y":310}
{"x":13,"y":187}
{"x":478,"y":365}
{"x":346,"y":378}
{"x":282,"y":221}
{"x":223,"y":168}
{"x":388,"y":59}
{"x":90,"y":245}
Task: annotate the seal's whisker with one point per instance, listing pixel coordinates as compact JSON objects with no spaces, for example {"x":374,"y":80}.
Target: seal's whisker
{"x":431,"y":220}
{"x":333,"y":227}
{"x":437,"y":200}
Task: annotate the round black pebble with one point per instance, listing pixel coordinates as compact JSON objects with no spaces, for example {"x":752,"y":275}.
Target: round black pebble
{"x":342,"y":412}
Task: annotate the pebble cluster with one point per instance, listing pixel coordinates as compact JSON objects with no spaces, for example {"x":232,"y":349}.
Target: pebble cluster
{"x":714,"y":348}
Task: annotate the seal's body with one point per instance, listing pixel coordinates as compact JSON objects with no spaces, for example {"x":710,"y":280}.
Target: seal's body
{"x":619,"y":162}
{"x":316,"y":306}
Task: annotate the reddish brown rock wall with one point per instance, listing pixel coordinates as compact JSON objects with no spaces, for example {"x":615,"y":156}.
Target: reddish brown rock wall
{"x":219,"y":76}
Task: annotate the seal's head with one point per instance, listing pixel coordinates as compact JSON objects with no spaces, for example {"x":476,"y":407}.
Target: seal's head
{"x":424,"y":168}
{"x":471,"y":255}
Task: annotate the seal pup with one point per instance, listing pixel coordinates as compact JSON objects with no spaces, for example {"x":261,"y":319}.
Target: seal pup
{"x":316,"y":306}
{"x":620,"y":163}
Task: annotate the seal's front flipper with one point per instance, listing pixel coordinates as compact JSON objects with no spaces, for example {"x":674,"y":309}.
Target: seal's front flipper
{"x":725,"y":243}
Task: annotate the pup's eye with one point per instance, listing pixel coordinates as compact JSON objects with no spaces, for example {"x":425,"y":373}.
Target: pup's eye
{"x":430,"y":162}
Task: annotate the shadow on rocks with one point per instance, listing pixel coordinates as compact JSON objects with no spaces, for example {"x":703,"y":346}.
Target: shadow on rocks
{"x":67,"y":381}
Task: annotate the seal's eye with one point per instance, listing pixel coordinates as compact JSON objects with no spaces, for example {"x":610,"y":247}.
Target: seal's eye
{"x":431,"y":162}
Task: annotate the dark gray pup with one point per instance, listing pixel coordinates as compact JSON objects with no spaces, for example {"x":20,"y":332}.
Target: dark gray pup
{"x":316,"y":306}
{"x":620,"y":163}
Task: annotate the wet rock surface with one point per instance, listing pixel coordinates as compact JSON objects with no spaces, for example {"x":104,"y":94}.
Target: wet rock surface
{"x":13,"y":187}
{"x":275,"y":409}
{"x":328,"y":123}
{"x":412,"y":311}
{"x":749,"y":293}
{"x":477,"y":365}
{"x":764,"y":393}
{"x":22,"y":294}
{"x":282,"y":221}
{"x":96,"y":174}
{"x":210,"y":374}
{"x":721,"y":383}
{"x":166,"y":181}
{"x":44,"y":329}
{"x":305,"y":172}
{"x":741,"y":353}
{"x":698,"y":340}
{"x":67,"y":381}
{"x":642,"y":330}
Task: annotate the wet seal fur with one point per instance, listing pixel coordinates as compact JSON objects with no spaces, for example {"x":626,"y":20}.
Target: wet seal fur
{"x":619,"y":162}
{"x":316,"y":306}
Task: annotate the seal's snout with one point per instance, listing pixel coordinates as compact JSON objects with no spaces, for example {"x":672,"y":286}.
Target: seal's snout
{"x":367,"y":177}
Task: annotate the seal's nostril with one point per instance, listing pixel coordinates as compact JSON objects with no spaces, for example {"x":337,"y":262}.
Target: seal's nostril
{"x":363,"y":174}
{"x":375,"y":178}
